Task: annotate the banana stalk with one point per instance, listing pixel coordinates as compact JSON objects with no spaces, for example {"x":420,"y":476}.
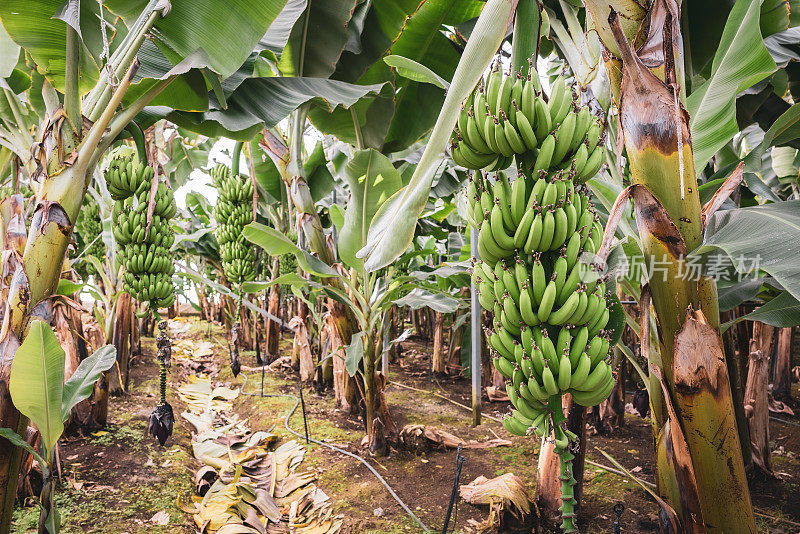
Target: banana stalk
{"x":668,"y":215}
{"x":527,"y":27}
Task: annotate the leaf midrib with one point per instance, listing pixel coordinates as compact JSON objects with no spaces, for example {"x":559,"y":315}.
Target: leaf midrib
{"x":46,"y":388}
{"x":364,"y":201}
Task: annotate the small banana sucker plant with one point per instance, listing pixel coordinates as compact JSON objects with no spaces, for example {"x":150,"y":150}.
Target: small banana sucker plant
{"x":366,"y":296}
{"x":361,"y":218}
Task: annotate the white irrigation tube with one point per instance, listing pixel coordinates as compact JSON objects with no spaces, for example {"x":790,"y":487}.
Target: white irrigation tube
{"x":337,"y":449}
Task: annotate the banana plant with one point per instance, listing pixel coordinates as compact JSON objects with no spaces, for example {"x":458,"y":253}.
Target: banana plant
{"x":671,"y":222}
{"x":367,"y":295}
{"x":108,"y":85}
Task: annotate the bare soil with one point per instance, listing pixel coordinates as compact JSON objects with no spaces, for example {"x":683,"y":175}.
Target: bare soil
{"x":116,"y":480}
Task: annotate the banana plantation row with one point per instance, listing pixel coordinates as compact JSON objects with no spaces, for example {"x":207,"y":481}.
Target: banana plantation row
{"x":554,"y":193}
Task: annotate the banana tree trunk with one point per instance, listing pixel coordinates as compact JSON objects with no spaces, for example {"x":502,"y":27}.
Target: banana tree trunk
{"x":616,"y":402}
{"x":58,"y":202}
{"x":610,"y":413}
{"x":756,"y":401}
{"x":369,"y":389}
{"x":782,"y":383}
{"x":737,"y":378}
{"x":121,"y":338}
{"x":438,"y":359}
{"x":205,"y":311}
{"x":656,"y":134}
{"x":70,"y":332}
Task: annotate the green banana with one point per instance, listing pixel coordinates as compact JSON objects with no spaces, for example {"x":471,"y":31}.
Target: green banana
{"x":564,"y":137}
{"x":546,"y":304}
{"x":518,"y":200}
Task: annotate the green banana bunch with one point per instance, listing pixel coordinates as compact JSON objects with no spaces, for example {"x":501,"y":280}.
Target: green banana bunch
{"x":144,"y":251}
{"x":234,"y":211}
{"x":549,"y":307}
{"x":88,"y":228}
{"x":507,"y":115}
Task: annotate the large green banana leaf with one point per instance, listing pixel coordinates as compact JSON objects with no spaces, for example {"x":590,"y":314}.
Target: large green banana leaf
{"x":318,"y":39}
{"x":276,"y":243}
{"x":34,"y":25}
{"x":9,"y":54}
{"x":372,"y":179}
{"x":259,"y":103}
{"x":81,"y":384}
{"x":741,"y":60}
{"x":369,"y":39}
{"x":392,"y":228}
{"x":281,"y":28}
{"x":202,"y":30}
{"x":422,"y":40}
{"x":765,"y":238}
{"x":37,"y":381}
{"x":225,"y":30}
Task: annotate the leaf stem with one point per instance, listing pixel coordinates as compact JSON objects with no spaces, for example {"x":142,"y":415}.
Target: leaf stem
{"x":527,"y":25}
{"x":237,"y":154}
{"x":120,"y":61}
{"x":72,"y":93}
{"x":12,"y":103}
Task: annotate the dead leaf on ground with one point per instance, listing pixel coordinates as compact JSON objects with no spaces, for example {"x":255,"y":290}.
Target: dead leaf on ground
{"x":160,"y":518}
{"x":421,"y":438}
{"x":503,"y":493}
{"x":496,"y":394}
{"x":776,"y":406}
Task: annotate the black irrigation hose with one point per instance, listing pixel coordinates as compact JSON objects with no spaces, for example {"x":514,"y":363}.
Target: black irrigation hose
{"x":337,"y":449}
{"x":784,"y":421}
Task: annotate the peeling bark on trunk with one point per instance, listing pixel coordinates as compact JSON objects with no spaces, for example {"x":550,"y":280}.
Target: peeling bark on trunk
{"x":394,"y":319}
{"x":341,"y":380}
{"x":703,"y":389}
{"x":438,"y":360}
{"x":610,"y":413}
{"x":121,"y":341}
{"x":205,"y":306}
{"x":756,"y":396}
{"x":616,"y":402}
{"x":454,"y":356}
{"x":487,"y":368}
{"x":737,"y":378}
{"x":70,"y":332}
{"x":301,"y":349}
{"x":782,"y":383}
{"x":415,"y":321}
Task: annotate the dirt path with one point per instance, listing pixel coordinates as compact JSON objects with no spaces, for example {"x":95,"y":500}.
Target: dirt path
{"x":117,"y":481}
